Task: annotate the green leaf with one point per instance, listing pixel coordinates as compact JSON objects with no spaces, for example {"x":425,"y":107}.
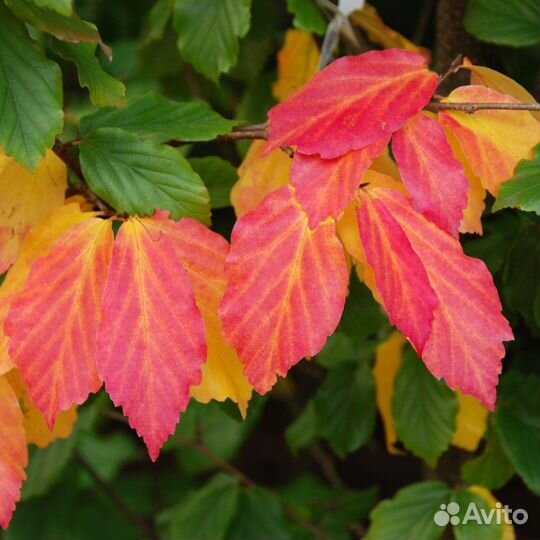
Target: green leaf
{"x":154,"y":115}
{"x":472,"y":525}
{"x":208,"y":33}
{"x":523,"y":191}
{"x":206,"y":515}
{"x":65,"y":7}
{"x":157,"y":20}
{"x":346,"y":506}
{"x":303,"y":431}
{"x":104,"y":89}
{"x":345,"y":406}
{"x":259,"y":516}
{"x":504,"y":22}
{"x":307,"y":16}
{"x":66,"y":28}
{"x":30,"y":94}
{"x":517,"y":422}
{"x":410,"y":513}
{"x":424,"y":408}
{"x":139,"y":177}
{"x":219,"y":176}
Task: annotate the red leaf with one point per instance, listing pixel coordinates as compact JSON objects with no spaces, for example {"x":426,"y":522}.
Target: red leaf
{"x":286,"y":288}
{"x":13,"y":452}
{"x":151,"y":342}
{"x":465,"y":345}
{"x":52,"y":323}
{"x":401,"y":279}
{"x":325,"y":187}
{"x":433,"y":176}
{"x":354,"y":102}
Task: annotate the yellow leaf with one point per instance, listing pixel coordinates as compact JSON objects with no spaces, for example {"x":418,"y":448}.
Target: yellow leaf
{"x":389,"y":357}
{"x":471,"y":423}
{"x":37,"y":243}
{"x":298,"y":61}
{"x":258,"y":176}
{"x":508,"y":532}
{"x":370,"y":21}
{"x":497,"y":81}
{"x":27,"y":198}
{"x":35,"y":426}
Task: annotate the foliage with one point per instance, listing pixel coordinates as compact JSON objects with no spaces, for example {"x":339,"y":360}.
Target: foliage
{"x":211,"y":216}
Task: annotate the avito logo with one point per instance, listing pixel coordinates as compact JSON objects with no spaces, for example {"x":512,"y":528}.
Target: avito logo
{"x":449,"y":513}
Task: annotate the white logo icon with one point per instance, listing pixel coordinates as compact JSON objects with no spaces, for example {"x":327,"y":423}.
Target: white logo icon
{"x":448,"y":513}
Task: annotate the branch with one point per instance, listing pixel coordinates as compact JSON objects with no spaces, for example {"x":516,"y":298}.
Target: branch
{"x":470,"y":108}
{"x":145,"y":528}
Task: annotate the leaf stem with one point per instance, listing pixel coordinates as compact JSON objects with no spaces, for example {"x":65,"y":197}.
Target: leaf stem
{"x":470,"y":108}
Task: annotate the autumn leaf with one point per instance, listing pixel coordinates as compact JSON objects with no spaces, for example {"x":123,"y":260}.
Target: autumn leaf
{"x":202,"y":253}
{"x":286,"y":288}
{"x":298,"y":61}
{"x":13,"y":452}
{"x":471,"y":423}
{"x":151,"y":341}
{"x":389,"y":357}
{"x":465,"y":344}
{"x":401,"y":279}
{"x":325,"y":187}
{"x":52,"y":330}
{"x":27,"y":198}
{"x":37,"y":243}
{"x":354,"y":102}
{"x":258,"y":176}
{"x":37,"y":431}
{"x":433,"y":176}
{"x":483,"y":136}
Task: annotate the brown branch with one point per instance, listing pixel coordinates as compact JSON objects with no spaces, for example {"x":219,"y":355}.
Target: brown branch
{"x":470,"y":108}
{"x":145,"y":527}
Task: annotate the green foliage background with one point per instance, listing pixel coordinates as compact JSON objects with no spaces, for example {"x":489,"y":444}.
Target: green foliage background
{"x":310,"y":461}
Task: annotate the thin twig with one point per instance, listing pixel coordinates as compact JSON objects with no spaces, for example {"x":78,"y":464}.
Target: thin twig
{"x":145,"y":527}
{"x":452,"y":68}
{"x":470,"y":108}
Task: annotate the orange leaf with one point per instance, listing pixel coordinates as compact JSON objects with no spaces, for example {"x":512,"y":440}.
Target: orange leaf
{"x":37,"y":431}
{"x":433,"y":176}
{"x":370,"y":21}
{"x":400,"y":277}
{"x":202,"y":253}
{"x":286,"y":289}
{"x":258,"y":176}
{"x":493,"y":141}
{"x":465,"y":344}
{"x":325,"y":187}
{"x":387,"y":363}
{"x":298,"y":61}
{"x":151,"y":341}
{"x":13,"y":452}
{"x":27,"y":198}
{"x":36,"y":244}
{"x":352,"y":103}
{"x":52,"y":328}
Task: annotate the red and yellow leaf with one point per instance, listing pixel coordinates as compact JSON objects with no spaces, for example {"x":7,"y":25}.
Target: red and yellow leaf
{"x":298,"y":61}
{"x":13,"y":452}
{"x":286,"y":288}
{"x":37,"y":243}
{"x":151,"y":341}
{"x":493,"y":141}
{"x":389,"y":358}
{"x":325,"y":187}
{"x":354,"y":102}
{"x":401,"y":279}
{"x":37,"y":431}
{"x":258,"y":176}
{"x":52,"y":328}
{"x":27,"y":198}
{"x":202,"y":253}
{"x":434,"y":177}
{"x":465,"y":346}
